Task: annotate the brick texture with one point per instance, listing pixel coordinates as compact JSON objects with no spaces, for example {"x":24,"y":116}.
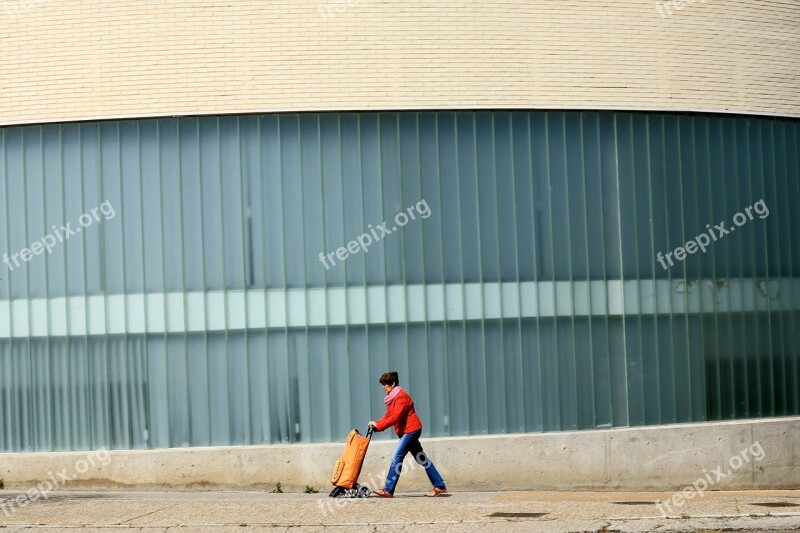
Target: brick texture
{"x":66,"y":60}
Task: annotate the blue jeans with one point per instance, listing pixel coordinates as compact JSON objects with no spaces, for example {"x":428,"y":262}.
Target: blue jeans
{"x":410,"y":443}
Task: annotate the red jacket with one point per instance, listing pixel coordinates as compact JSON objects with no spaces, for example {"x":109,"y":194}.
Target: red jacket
{"x":400,"y":414}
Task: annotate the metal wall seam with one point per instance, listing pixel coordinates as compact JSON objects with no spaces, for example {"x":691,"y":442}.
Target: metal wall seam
{"x":145,"y":356}
{"x":763,"y":195}
{"x":407,"y":371}
{"x":48,"y":342}
{"x":656,"y":338}
{"x":347,"y":385}
{"x":556,"y":404}
{"x":757,"y":355}
{"x":185,"y":335}
{"x":603,"y":262}
{"x":33,"y":363}
{"x":244,"y":199}
{"x":704,"y":142}
{"x":30,"y":401}
{"x":225,"y":301}
{"x":94,"y":431}
{"x":266,"y":416}
{"x":164,"y":284}
{"x":482,"y":419}
{"x":8,"y":384}
{"x":688,"y":353}
{"x":795,"y":325}
{"x":623,"y":300}
{"x":198,"y":144}
{"x":519,"y":382}
{"x":448,"y":420}
{"x":728,"y":268}
{"x":104,"y":394}
{"x":539,"y":426}
{"x":590,"y":321}
{"x":568,"y":209}
{"x":464,"y":384}
{"x":116,"y":430}
{"x":305,"y":362}
{"x":492,"y":414}
{"x":360,"y":146}
{"x":67,"y":433}
{"x":638,"y":277}
{"x":773,"y":201}
{"x":325,"y":371}
{"x":695,"y":179}
{"x":745,"y":356}
{"x":287,"y":360}
{"x":691,"y":179}
{"x":226,"y":295}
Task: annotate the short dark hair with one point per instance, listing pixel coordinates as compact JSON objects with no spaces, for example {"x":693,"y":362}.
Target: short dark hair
{"x":389,"y":378}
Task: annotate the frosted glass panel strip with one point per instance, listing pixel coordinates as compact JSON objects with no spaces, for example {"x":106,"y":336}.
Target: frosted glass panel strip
{"x":414,"y":304}
{"x":5,"y":319}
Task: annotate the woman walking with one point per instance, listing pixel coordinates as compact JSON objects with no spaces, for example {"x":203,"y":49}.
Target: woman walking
{"x":400,"y":413}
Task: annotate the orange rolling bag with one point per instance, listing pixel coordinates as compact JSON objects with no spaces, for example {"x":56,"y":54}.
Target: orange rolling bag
{"x":348,"y":467}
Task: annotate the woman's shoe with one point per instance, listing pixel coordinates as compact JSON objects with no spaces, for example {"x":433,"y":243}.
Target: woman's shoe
{"x":436,"y":492}
{"x":382,"y":493}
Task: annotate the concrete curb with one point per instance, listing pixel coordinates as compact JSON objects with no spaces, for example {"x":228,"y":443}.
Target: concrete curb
{"x":649,"y":458}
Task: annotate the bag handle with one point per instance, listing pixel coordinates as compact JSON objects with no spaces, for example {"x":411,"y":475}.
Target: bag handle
{"x":370,"y":431}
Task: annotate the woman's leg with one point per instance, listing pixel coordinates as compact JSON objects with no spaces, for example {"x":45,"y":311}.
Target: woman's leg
{"x":397,"y":460}
{"x":422,"y":458}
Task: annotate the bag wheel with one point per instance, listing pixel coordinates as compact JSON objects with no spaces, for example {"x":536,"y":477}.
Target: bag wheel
{"x":336,"y":492}
{"x":364,"y":492}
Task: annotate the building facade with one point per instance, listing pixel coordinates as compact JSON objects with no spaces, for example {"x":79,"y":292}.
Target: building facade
{"x":222,"y":224}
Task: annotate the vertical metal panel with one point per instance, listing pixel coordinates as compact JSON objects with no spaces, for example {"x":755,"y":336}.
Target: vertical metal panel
{"x":792,"y":189}
{"x":531,"y":299}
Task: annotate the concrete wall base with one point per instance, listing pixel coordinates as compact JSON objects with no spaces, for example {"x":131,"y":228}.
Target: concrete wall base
{"x":751,"y":454}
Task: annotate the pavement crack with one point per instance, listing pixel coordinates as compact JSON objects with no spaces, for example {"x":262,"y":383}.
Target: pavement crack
{"x":146,"y":514}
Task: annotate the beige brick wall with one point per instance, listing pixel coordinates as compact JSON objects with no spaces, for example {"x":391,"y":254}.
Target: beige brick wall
{"x":85,"y":59}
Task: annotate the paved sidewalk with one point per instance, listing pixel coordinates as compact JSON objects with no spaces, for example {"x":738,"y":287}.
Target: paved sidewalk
{"x":488,"y":512}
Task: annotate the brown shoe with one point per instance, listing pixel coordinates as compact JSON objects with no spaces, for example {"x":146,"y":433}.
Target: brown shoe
{"x":382,"y":493}
{"x":436,"y":492}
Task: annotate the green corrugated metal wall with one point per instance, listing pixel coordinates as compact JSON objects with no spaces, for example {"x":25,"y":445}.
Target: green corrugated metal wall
{"x":530,"y":298}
